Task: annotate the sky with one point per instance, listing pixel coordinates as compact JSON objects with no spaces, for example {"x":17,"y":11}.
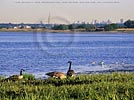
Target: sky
{"x":34,"y":11}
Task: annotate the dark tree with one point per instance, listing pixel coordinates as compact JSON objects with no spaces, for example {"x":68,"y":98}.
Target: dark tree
{"x":110,"y":27}
{"x":85,"y":26}
{"x":91,"y":27}
{"x":129,"y":24}
{"x":61,"y":27}
{"x":72,"y":26}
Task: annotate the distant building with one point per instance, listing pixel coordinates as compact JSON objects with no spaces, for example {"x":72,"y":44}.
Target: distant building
{"x":109,"y":21}
{"x":88,"y":23}
{"x":121,"y":21}
{"x":83,"y":22}
{"x":78,"y":22}
{"x":50,"y":26}
{"x":41,"y":22}
{"x":103,"y":22}
{"x":96,"y":21}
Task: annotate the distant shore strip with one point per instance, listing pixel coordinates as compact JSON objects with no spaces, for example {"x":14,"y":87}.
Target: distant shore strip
{"x":123,"y":30}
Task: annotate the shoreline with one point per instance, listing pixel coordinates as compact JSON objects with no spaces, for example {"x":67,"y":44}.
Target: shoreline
{"x":123,"y":30}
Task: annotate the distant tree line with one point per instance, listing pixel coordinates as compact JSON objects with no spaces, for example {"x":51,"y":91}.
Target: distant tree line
{"x":86,"y":27}
{"x":92,"y":27}
{"x":129,"y":23}
{"x":74,"y":26}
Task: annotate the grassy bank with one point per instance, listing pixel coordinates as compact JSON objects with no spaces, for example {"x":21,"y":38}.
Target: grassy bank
{"x":115,"y":86}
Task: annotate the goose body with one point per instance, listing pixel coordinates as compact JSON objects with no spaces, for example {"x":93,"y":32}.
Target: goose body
{"x":59,"y":75}
{"x":70,"y":72}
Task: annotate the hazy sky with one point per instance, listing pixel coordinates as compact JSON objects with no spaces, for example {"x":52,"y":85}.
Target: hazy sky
{"x":15,"y":11}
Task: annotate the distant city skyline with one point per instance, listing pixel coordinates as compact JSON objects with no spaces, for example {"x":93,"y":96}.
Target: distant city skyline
{"x":13,"y":12}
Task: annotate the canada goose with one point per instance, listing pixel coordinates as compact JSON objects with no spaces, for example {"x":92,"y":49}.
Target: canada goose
{"x":70,"y":72}
{"x":16,"y":77}
{"x":61,"y":75}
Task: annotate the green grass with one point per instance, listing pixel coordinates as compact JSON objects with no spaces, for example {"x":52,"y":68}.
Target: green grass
{"x":1,"y":77}
{"x":115,"y":86}
{"x":28,"y":77}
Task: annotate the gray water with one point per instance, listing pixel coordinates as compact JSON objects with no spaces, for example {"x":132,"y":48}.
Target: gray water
{"x":41,"y":53}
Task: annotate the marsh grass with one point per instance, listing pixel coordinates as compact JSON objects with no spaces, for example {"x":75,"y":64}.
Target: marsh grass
{"x":115,"y":86}
{"x":1,"y":77}
{"x":28,"y":77}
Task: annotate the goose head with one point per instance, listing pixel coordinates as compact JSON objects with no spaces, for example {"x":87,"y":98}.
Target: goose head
{"x":69,"y":62}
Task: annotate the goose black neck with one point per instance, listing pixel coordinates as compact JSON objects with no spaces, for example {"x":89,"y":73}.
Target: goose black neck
{"x":21,"y":72}
{"x":69,"y":66}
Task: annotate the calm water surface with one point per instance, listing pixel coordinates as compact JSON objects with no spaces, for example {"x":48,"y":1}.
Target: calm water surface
{"x":41,"y":53}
